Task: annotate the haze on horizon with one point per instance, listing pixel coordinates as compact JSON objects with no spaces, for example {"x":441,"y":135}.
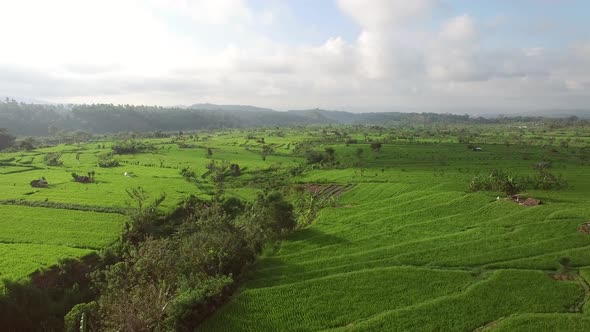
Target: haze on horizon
{"x":336,"y":54}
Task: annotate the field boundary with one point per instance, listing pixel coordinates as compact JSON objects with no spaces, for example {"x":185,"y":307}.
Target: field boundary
{"x":65,"y":206}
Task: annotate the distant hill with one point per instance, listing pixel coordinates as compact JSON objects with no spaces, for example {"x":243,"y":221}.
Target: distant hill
{"x":325,"y":116}
{"x":580,"y":113}
{"x":239,"y":108}
{"x":31,"y":119}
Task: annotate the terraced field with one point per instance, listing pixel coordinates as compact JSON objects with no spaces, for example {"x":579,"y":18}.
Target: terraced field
{"x":402,"y":247}
{"x":36,"y":237}
{"x":410,"y":250}
{"x":40,"y":226}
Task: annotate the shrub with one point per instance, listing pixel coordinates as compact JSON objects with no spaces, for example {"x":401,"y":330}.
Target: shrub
{"x":73,"y":319}
{"x":188,"y":174}
{"x":498,"y":180}
{"x":40,"y":183}
{"x":131,"y":147}
{"x":266,"y":150}
{"x":53,"y":159}
{"x":6,"y":139}
{"x":278,"y":212}
{"x":84,"y":178}
{"x":330,"y":154}
{"x":376,"y":147}
{"x":107,"y":161}
{"x":544,"y":179}
{"x":235,"y":169}
{"x":351,"y":141}
{"x":315,"y":157}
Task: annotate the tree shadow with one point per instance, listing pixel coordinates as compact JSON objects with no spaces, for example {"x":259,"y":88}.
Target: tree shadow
{"x":275,"y":267}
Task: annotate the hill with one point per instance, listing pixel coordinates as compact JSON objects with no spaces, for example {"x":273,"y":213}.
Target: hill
{"x":24,"y":119}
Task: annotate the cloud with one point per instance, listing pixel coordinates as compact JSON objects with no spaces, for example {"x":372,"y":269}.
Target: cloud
{"x":380,"y":14}
{"x":185,"y":51}
{"x":219,"y":12}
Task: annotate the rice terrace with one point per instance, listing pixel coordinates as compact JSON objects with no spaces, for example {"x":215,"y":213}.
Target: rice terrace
{"x":294,"y":166}
{"x":448,"y":226}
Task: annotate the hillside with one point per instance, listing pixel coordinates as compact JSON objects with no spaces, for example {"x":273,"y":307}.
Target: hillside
{"x":42,"y":120}
{"x":407,"y":249}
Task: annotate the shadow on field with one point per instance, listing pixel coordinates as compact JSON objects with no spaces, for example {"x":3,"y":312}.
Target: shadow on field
{"x":313,"y":238}
{"x":305,"y":244}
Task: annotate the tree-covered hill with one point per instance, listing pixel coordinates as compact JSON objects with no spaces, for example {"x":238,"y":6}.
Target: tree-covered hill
{"x":24,"y":119}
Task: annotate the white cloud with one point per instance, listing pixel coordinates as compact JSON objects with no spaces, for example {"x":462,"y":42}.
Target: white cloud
{"x":218,"y":12}
{"x":379,"y":14}
{"x":134,"y":51}
{"x":460,"y":29}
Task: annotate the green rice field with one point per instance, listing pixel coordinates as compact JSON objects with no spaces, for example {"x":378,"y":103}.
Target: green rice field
{"x":407,"y":247}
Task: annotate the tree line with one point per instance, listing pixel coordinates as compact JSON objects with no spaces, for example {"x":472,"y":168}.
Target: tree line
{"x":167,"y":272}
{"x":24,"y":119}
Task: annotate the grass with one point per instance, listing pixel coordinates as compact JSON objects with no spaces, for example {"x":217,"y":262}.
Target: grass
{"x":406,"y":249}
{"x":76,"y":229}
{"x":70,"y":219}
{"x":21,"y":259}
{"x":409,"y":211}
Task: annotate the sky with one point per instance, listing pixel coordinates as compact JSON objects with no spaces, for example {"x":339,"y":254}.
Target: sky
{"x":357,"y":55}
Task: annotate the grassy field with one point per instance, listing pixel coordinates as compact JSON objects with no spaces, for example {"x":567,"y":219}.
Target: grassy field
{"x":67,"y":219}
{"x":407,"y":248}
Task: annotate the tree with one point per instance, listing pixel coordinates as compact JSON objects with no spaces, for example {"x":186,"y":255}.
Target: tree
{"x":80,"y":136}
{"x":315,"y":157}
{"x":27,"y":144}
{"x":52,"y":130}
{"x":217,"y":172}
{"x":235,"y":169}
{"x":331,"y":154}
{"x":266,"y":150}
{"x":53,"y":159}
{"x":6,"y":140}
{"x":138,"y":196}
{"x":277,"y":212}
{"x":376,"y":147}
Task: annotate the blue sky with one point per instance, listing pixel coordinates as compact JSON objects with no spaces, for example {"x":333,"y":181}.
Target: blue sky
{"x":348,"y":54}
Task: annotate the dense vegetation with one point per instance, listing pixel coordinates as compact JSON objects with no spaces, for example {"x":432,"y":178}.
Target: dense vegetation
{"x":359,"y":227}
{"x":75,"y":122}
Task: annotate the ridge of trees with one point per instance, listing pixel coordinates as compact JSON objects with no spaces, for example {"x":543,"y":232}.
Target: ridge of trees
{"x":24,"y":119}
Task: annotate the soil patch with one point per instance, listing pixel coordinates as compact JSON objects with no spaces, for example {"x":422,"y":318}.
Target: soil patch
{"x":585,"y":228}
{"x":530,"y":201}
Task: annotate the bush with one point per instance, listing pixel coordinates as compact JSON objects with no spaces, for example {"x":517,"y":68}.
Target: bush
{"x":131,"y":147}
{"x":351,"y":141}
{"x":53,"y":159}
{"x":107,"y":161}
{"x":376,"y":147}
{"x":315,"y":157}
{"x":40,"y":183}
{"x":72,"y":320}
{"x":278,"y":212}
{"x":84,"y":178}
{"x":188,"y":174}
{"x":498,"y":180}
{"x":544,"y":179}
{"x":172,"y":281}
{"x":235,"y":169}
{"x":6,"y":139}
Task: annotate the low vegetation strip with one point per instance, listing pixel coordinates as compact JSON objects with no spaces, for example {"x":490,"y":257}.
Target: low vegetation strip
{"x":64,"y":206}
